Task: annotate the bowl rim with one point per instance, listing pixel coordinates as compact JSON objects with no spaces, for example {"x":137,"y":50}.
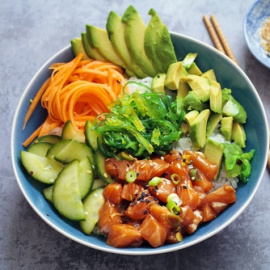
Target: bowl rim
{"x":152,"y":251}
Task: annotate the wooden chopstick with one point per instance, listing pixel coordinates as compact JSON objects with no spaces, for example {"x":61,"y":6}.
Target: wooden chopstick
{"x":217,"y":36}
{"x":222,"y":45}
{"x":213,"y":34}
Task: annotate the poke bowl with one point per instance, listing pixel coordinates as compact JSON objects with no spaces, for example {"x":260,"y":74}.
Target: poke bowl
{"x":228,"y":74}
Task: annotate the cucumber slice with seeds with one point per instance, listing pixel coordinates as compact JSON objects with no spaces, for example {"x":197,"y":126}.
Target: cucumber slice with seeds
{"x":69,"y":132}
{"x":92,"y":205}
{"x":86,"y":177}
{"x":41,"y":168}
{"x":49,"y":139}
{"x":100,"y":166}
{"x":66,"y":194}
{"x":39,"y":148}
{"x":47,"y":192}
{"x":69,"y":150}
{"x":91,"y":135}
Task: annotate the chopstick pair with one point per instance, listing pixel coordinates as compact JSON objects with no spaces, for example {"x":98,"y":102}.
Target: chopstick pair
{"x":218,"y":37}
{"x":222,"y":45}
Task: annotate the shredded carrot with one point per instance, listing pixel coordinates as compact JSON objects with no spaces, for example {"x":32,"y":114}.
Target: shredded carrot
{"x":77,"y":91}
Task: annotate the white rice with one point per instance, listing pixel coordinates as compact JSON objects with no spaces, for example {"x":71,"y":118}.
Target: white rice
{"x":137,"y":88}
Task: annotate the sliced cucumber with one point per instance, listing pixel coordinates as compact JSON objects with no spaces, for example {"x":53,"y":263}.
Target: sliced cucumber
{"x":91,"y":135}
{"x":69,"y":132}
{"x":100,"y":166}
{"x":86,"y":177}
{"x":66,"y":194}
{"x":39,"y":148}
{"x":47,"y":192}
{"x":98,"y":183}
{"x":92,"y":205}
{"x":41,"y":168}
{"x":49,"y":139}
{"x":68,"y":150}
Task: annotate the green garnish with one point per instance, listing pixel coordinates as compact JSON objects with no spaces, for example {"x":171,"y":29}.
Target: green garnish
{"x":176,"y":178}
{"x":173,"y":203}
{"x":131,"y":176}
{"x":237,"y":162}
{"x":139,"y":124}
{"x":155,"y":181}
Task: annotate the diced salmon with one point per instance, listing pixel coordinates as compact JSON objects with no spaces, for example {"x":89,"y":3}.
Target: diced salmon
{"x":203,"y":182}
{"x":162,"y":215}
{"x":174,"y":237}
{"x":144,"y":169}
{"x":153,"y":232}
{"x":187,"y":216}
{"x":208,"y":213}
{"x":219,"y":206}
{"x":130,"y":191}
{"x":191,"y":228}
{"x":188,"y":195}
{"x":108,"y":216}
{"x":138,"y":209}
{"x":113,"y":192}
{"x":163,"y":189}
{"x":124,"y":235}
{"x":172,"y":156}
{"x":180,"y":168}
{"x":224,"y":194}
{"x":200,"y":162}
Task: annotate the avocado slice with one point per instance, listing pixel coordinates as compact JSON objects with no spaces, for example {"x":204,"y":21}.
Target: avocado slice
{"x":235,"y":109}
{"x":215,"y":97}
{"x":238,"y":134}
{"x":191,"y":116}
{"x":90,"y":51}
{"x":192,"y":102}
{"x":116,"y":30}
{"x":77,"y":47}
{"x":134,"y":37}
{"x":99,"y":39}
{"x":183,"y":89}
{"x":210,"y":75}
{"x":200,"y":85}
{"x":165,"y":50}
{"x":198,"y":129}
{"x":226,"y":127}
{"x":189,"y":60}
{"x":174,"y":74}
{"x":150,"y":40}
{"x":212,"y":123}
{"x":158,"y":83}
{"x":214,"y":153}
{"x":194,"y":70}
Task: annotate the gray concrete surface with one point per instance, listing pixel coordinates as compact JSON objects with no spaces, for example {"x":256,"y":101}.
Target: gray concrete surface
{"x":31,"y":31}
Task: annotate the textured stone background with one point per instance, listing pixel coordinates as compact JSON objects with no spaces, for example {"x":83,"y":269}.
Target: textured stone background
{"x":31,"y":31}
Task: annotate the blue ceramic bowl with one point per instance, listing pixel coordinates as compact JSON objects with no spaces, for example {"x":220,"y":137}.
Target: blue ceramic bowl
{"x":255,"y":18}
{"x":228,"y":74}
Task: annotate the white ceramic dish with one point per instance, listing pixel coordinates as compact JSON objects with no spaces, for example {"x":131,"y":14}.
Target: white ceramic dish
{"x":254,"y":20}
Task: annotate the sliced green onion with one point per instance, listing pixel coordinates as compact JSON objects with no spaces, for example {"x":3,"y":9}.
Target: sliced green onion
{"x":179,"y":237}
{"x":194,"y":175}
{"x":155,"y":181}
{"x":131,"y":176}
{"x":174,"y":197}
{"x":174,"y":220}
{"x":173,"y":208}
{"x":175,"y":178}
